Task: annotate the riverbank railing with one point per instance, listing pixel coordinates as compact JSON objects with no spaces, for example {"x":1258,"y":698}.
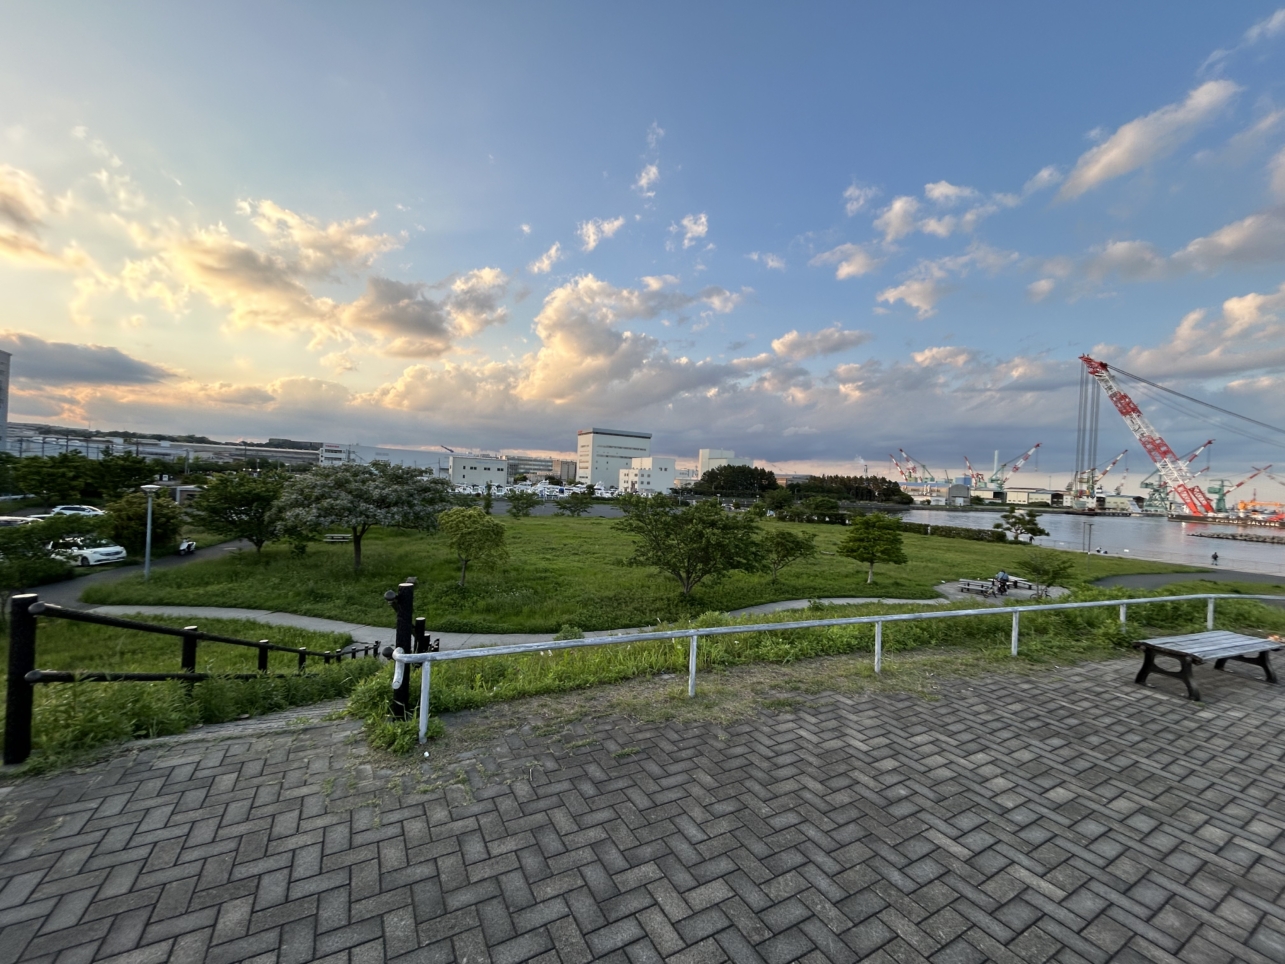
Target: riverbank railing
{"x":404,"y":658}
{"x":24,"y":677}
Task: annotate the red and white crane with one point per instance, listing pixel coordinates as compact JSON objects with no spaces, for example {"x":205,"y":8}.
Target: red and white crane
{"x":1173,"y":470}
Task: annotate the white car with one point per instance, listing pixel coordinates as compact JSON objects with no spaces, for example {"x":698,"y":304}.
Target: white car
{"x":76,"y":510}
{"x":87,"y":552}
{"x":16,"y":520}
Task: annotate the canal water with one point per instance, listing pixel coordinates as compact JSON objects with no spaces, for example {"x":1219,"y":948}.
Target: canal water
{"x":1145,"y":537}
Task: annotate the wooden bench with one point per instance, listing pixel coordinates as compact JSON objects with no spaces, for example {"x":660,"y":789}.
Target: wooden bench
{"x":337,"y":537}
{"x":1198,"y":648}
{"x":978,"y":586}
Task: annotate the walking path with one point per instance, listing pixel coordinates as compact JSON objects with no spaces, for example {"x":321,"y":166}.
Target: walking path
{"x":1068,"y":816}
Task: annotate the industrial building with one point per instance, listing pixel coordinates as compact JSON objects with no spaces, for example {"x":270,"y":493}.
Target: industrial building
{"x":337,"y":453}
{"x":536,"y":468}
{"x":707,"y":459}
{"x":648,"y":476}
{"x":602,"y":452}
{"x":478,"y":470}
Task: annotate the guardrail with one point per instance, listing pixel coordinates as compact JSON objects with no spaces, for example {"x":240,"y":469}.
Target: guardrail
{"x":23,"y":675}
{"x":404,"y":659}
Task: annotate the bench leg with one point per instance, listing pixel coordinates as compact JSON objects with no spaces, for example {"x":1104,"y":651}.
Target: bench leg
{"x":1183,"y":673}
{"x":1262,"y":659}
{"x":1148,"y":664}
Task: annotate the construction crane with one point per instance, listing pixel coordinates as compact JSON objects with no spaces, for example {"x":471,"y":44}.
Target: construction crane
{"x":1097,"y":482}
{"x":1173,"y":470}
{"x":447,"y":447}
{"x":977,"y":478}
{"x":900,"y":470}
{"x":918,"y":471}
{"x":998,"y":479}
{"x":1222,"y":488}
{"x":1157,"y":502}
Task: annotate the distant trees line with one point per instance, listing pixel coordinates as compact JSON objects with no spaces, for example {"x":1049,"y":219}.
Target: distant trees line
{"x":740,"y":481}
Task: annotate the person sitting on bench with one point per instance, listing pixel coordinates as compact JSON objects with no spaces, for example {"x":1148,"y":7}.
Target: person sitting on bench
{"x":1001,"y":582}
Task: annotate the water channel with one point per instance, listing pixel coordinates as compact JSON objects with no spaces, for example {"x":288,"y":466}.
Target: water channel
{"x":1145,"y":537}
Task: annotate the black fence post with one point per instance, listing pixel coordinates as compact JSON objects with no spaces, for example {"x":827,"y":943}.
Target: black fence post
{"x":22,"y":660}
{"x":404,"y":605}
{"x":303,"y":658}
{"x":189,"y":649}
{"x":263,"y":656}
{"x":418,"y":632}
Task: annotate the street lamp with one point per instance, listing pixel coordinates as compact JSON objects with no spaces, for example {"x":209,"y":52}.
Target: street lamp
{"x":151,"y":491}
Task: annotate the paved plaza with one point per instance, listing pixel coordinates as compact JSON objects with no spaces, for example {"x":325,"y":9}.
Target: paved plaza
{"x":1070,"y":816}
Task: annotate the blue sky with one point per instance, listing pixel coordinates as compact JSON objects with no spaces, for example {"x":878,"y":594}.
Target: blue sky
{"x":804,"y":232}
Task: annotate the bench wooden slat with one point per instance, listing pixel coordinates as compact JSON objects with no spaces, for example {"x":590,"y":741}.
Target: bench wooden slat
{"x":1216,"y":644}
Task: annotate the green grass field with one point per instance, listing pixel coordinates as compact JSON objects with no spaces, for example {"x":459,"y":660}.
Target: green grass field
{"x":561,"y":572}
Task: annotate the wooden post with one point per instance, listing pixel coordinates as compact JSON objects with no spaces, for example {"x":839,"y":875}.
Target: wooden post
{"x":263,"y":656}
{"x":22,"y":660}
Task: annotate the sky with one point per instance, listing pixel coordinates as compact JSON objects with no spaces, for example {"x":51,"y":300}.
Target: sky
{"x":813,"y":234}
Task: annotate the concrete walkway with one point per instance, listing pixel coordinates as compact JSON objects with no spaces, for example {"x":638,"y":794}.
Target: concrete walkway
{"x":1069,"y":816}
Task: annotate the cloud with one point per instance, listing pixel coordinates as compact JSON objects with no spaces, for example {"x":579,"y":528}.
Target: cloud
{"x":945,"y":193}
{"x":1257,"y":239}
{"x":853,"y":261}
{"x":1043,"y":179}
{"x":898,"y":219}
{"x":22,"y":201}
{"x":1039,"y":290}
{"x":318,"y":250}
{"x":922,"y":294}
{"x":420,"y":327}
{"x":775,"y":262}
{"x":943,"y":355}
{"x":62,"y":363}
{"x":693,"y":227}
{"x":1266,"y":29}
{"x":474,"y":301}
{"x":524,"y":228}
{"x":798,"y":346}
{"x":546,"y":261}
{"x":929,"y":281}
{"x":226,"y":393}
{"x":647,"y":178}
{"x":1277,"y":169}
{"x":654,"y":134}
{"x":1146,"y":139}
{"x":856,"y":197}
{"x":594,"y":231}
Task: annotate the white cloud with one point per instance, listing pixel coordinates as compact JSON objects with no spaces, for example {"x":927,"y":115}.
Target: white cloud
{"x":1131,"y":260}
{"x":1039,"y":290}
{"x":546,"y":261}
{"x":929,"y":281}
{"x":594,"y":231}
{"x":1044,"y":178}
{"x":61,"y":363}
{"x":945,"y":193}
{"x":1259,"y":238}
{"x":1145,"y":139}
{"x":898,"y":219}
{"x":853,"y":261}
{"x":1266,"y":29}
{"x":1277,"y":169}
{"x":646,"y":180}
{"x":922,"y":294}
{"x":655,"y":282}
{"x":943,"y":355}
{"x":768,"y":260}
{"x":693,"y":227}
{"x":798,"y":346}
{"x":856,"y":197}
{"x":319,"y":250}
{"x":22,"y":201}
{"x":524,"y":228}
{"x":654,"y":134}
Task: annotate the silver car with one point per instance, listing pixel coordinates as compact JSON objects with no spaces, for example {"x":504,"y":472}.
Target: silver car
{"x":87,"y":552}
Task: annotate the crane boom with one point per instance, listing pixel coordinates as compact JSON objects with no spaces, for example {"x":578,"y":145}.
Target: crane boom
{"x":1106,"y":471}
{"x":900,"y":470}
{"x":1172,"y":469}
{"x":1022,"y":460}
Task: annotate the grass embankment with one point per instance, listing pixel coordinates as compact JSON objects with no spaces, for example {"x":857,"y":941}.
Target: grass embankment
{"x":960,"y":645}
{"x":561,"y":572}
{"x":71,"y":719}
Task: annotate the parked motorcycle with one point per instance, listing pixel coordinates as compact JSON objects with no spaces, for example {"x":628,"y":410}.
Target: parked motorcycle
{"x":186,"y":547}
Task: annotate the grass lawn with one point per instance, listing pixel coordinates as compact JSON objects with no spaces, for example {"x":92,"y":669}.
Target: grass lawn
{"x":562,"y":572}
{"x":71,"y":719}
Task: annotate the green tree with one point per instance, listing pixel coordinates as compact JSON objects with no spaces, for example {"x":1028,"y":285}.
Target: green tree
{"x":874,"y":538}
{"x":782,"y":547}
{"x":778,"y":499}
{"x":576,"y":504}
{"x":487,"y":503}
{"x":521,"y":504}
{"x":736,"y":480}
{"x":1021,"y":523}
{"x":359,"y":497}
{"x":1045,"y":567}
{"x":475,"y":536}
{"x":239,"y":505}
{"x":26,"y":559}
{"x":114,"y":475}
{"x":53,"y":481}
{"x":693,"y":543}
{"x":126,"y":521}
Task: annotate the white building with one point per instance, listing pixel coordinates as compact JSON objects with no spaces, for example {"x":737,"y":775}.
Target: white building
{"x":708,"y":459}
{"x":649,"y":475}
{"x":602,"y":452}
{"x":478,"y":470}
{"x":337,"y":453}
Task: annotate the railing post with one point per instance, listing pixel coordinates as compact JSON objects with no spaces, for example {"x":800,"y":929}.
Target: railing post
{"x":303,"y":658}
{"x":404,"y":605}
{"x":691,"y":666}
{"x":401,"y":688}
{"x":879,"y":646}
{"x":189,"y":649}
{"x":1209,"y":615}
{"x":417,"y":632}
{"x":1017,"y":616}
{"x":22,"y":660}
{"x":425,"y":676}
{"x":1124,"y":613}
{"x":263,"y":656}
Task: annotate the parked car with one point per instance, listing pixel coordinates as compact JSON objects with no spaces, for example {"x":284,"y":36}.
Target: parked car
{"x":16,"y":520}
{"x":76,"y":510}
{"x":87,"y":551}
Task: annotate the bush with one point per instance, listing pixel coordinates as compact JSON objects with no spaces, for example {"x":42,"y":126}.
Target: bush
{"x":955,"y":532}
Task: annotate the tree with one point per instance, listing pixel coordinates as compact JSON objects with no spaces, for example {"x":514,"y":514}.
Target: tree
{"x":778,"y":499}
{"x":874,"y":538}
{"x":691,"y":544}
{"x":576,"y":504}
{"x":475,"y":537}
{"x":114,"y":475}
{"x":521,"y":504}
{"x":1045,"y":567}
{"x":782,"y":547}
{"x":359,"y":497}
{"x":736,"y":479}
{"x":52,"y":481}
{"x":1021,"y":523}
{"x":126,"y":521}
{"x":487,"y":503}
{"x":239,"y":505}
{"x":26,"y":559}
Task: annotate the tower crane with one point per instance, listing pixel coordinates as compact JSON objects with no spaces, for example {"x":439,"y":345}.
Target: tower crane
{"x":1097,"y":482}
{"x":1173,"y":470}
{"x":998,"y":479}
{"x":1221,"y":489}
{"x":1157,"y":501}
{"x":977,"y":478}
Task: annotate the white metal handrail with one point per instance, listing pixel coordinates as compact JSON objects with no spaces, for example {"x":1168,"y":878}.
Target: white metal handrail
{"x":403,"y":659}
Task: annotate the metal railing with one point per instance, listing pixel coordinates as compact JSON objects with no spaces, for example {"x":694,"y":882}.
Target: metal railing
{"x":404,"y":659}
{"x":23,"y":675}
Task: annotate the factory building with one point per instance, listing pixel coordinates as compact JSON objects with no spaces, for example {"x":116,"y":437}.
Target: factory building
{"x":479,"y":470}
{"x":648,"y":476}
{"x":337,"y":453}
{"x":602,"y":452}
{"x":707,"y":459}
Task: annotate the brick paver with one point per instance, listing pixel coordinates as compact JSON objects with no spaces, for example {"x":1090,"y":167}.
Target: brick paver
{"x":1073,"y":817}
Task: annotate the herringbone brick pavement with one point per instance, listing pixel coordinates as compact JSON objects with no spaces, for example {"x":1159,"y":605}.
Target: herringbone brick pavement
{"x":1067,"y":817}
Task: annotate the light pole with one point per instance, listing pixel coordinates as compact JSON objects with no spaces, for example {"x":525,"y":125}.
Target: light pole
{"x":151,"y":491}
